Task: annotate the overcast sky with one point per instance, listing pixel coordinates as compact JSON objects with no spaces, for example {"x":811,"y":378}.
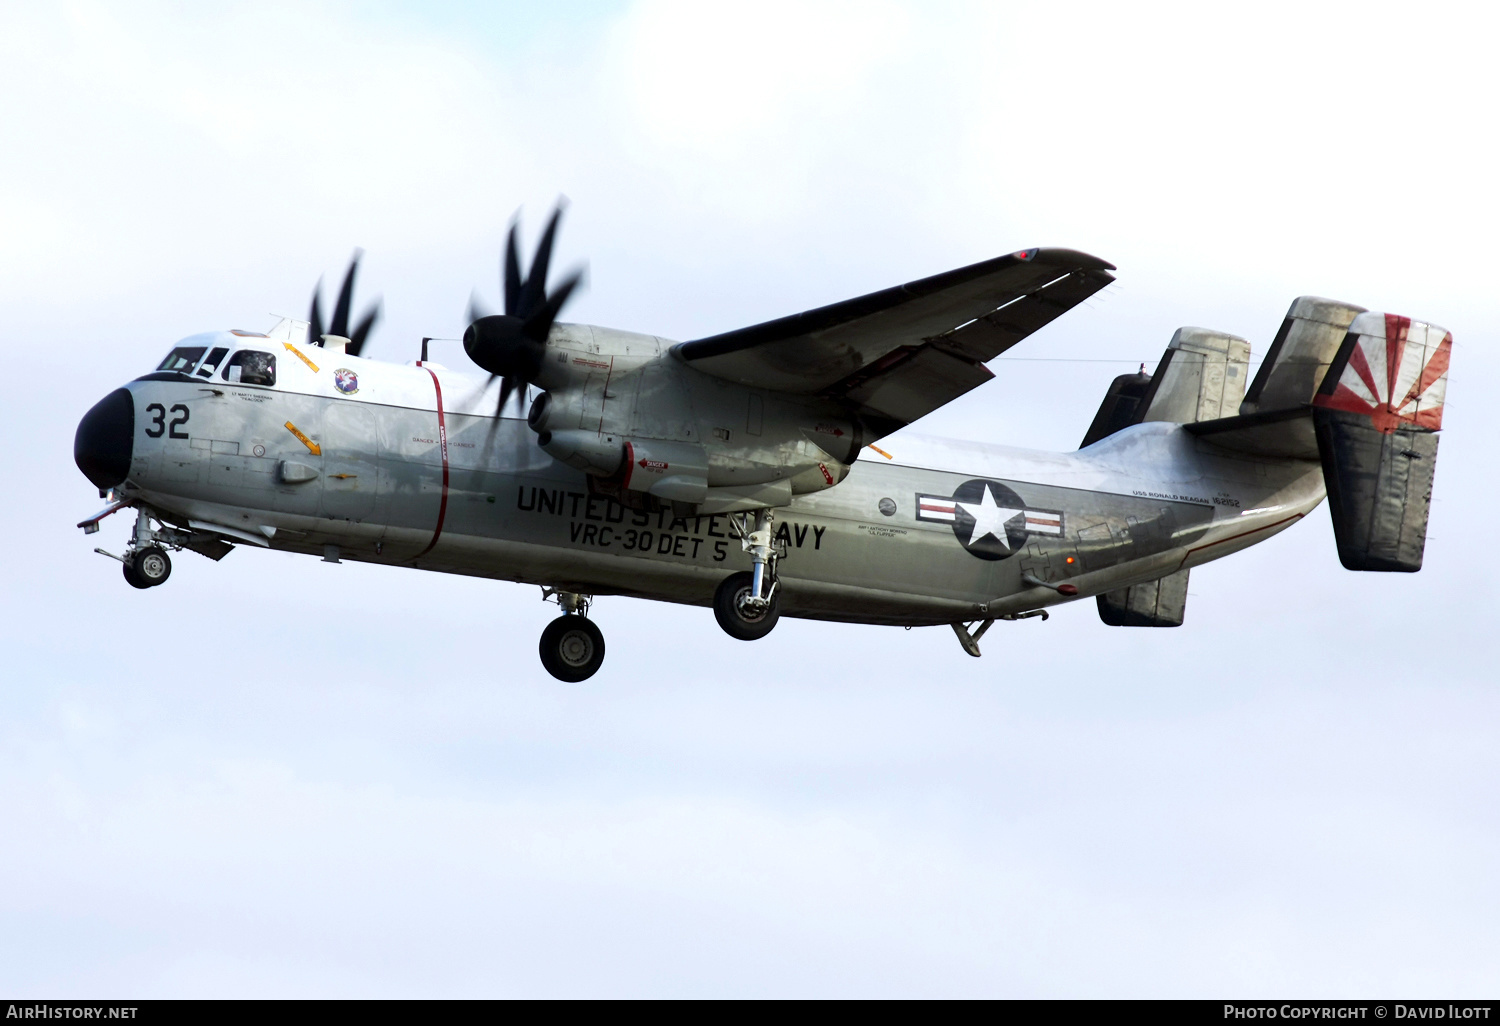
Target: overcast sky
{"x":277,"y":777}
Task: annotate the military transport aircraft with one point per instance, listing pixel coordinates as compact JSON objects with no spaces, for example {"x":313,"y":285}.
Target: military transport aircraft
{"x":743,"y":470}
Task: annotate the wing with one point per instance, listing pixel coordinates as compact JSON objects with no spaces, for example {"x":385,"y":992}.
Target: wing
{"x":901,"y":353}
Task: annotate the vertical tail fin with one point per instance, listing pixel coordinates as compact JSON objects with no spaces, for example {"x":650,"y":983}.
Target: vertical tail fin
{"x":1121,"y":407}
{"x":1275,"y":418}
{"x":1299,"y":357}
{"x":1376,"y":414}
{"x":1201,"y":376}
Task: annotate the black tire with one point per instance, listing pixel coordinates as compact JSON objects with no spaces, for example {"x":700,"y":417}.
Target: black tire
{"x":572,"y":648}
{"x":152,"y":565}
{"x":733,"y":617}
{"x":132,"y":578}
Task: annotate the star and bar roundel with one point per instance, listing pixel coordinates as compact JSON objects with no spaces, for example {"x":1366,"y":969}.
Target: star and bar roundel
{"x":1392,"y":369}
{"x":989,"y":520}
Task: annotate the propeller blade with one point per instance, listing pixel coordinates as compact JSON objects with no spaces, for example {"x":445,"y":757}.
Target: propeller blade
{"x":340,"y":323}
{"x":315,"y":330}
{"x":539,"y":325}
{"x":362,"y":331}
{"x":534,"y":291}
{"x":513,"y":344}
{"x":511,"y":277}
{"x":499,"y":406}
{"x":477,"y":309}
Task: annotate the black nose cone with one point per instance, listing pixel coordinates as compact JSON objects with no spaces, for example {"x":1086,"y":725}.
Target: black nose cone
{"x":101,"y":448}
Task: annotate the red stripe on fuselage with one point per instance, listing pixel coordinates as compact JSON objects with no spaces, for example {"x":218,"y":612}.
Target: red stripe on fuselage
{"x":1243,"y":534}
{"x":443,"y":452}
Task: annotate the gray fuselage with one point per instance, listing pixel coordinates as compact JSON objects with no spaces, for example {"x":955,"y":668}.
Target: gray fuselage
{"x":409,"y":466}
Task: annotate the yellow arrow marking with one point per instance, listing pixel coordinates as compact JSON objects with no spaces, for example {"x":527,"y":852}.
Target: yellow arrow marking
{"x":312,"y":447}
{"x":299,"y":354}
{"x":882,"y":452}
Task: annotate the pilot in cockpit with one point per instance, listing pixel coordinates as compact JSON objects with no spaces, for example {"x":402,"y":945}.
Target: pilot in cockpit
{"x":250,"y":367}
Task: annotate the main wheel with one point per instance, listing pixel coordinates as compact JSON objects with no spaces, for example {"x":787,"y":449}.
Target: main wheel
{"x":151,"y":566}
{"x":572,"y":648}
{"x":738,"y":621}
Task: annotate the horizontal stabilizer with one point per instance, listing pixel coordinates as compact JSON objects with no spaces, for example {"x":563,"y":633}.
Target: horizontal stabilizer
{"x":1279,"y":434}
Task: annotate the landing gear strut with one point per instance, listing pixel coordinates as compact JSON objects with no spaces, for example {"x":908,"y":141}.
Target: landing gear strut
{"x":572,"y":647}
{"x":745,"y":603}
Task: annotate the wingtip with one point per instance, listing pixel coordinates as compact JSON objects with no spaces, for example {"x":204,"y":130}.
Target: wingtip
{"x":1073,"y":257}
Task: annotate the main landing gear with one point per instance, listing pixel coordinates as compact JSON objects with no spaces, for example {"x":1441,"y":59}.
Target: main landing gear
{"x":572,"y":647}
{"x":745,"y":603}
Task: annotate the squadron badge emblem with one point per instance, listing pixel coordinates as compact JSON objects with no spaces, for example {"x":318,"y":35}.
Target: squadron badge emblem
{"x":989,"y":520}
{"x":346,"y":381}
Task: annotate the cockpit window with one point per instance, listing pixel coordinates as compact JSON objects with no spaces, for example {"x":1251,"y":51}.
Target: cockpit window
{"x":212,"y":363}
{"x":250,"y":367}
{"x":182,"y":359}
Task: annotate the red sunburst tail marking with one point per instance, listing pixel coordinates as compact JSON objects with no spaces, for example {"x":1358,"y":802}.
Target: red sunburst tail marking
{"x":1393,"y":370}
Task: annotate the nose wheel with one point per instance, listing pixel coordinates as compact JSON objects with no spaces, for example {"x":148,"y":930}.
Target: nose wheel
{"x":148,"y":567}
{"x":572,"y":646}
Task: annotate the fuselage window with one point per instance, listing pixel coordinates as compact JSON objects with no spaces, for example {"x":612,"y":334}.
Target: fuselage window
{"x":182,"y":359}
{"x":250,"y":367}
{"x":212,"y":363}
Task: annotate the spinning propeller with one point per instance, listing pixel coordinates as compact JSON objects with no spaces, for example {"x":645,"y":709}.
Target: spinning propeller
{"x":511,"y":345}
{"x":340,"y":324}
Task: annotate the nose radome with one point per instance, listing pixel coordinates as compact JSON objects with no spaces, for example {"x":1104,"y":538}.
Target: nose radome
{"x":101,"y":448}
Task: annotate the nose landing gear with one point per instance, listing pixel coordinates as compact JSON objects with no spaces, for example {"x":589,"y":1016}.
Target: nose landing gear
{"x":145,"y":561}
{"x":572,"y":647}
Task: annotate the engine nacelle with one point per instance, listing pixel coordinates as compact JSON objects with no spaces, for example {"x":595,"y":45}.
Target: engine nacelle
{"x":675,"y":471}
{"x":621,"y":408}
{"x":584,"y":450}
